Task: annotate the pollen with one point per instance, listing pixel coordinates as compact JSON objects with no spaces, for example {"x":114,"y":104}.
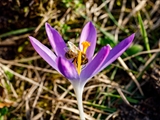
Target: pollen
{"x":85,"y":45}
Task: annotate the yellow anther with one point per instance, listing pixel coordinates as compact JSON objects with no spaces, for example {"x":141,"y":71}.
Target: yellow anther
{"x":79,"y":62}
{"x":85,"y":45}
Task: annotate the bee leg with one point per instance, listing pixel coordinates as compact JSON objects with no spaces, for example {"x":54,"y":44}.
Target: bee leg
{"x":74,"y":62}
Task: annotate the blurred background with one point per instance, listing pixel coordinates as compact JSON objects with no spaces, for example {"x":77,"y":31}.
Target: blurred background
{"x":128,"y":89}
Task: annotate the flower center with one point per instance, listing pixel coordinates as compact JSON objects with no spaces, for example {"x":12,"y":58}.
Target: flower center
{"x":81,"y":59}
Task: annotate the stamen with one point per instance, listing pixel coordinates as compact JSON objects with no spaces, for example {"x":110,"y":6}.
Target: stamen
{"x":79,"y":62}
{"x":85,"y":45}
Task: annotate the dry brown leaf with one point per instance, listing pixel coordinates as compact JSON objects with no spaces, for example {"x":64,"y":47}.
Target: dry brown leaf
{"x":5,"y":104}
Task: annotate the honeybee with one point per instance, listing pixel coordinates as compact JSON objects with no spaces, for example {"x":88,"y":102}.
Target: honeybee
{"x":72,"y":53}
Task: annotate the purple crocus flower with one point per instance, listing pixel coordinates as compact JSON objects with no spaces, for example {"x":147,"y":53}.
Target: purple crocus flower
{"x":77,"y":73}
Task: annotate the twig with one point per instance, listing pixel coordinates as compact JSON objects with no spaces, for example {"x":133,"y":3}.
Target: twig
{"x":137,"y":8}
{"x":5,"y":68}
{"x":27,"y":66}
{"x":130,"y":74}
{"x":141,"y":53}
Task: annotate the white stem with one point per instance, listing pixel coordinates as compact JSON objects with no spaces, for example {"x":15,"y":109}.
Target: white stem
{"x":79,"y":91}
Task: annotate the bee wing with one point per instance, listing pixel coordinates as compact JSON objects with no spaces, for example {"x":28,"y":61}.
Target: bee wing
{"x":66,"y":49}
{"x":73,"y":48}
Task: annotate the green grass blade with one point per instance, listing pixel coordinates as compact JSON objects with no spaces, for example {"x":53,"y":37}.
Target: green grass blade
{"x":16,"y":32}
{"x":143,"y":32}
{"x":131,"y":100}
{"x":101,"y":107}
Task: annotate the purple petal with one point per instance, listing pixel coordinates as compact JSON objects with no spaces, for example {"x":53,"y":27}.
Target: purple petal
{"x":89,"y":34}
{"x":56,"y":40}
{"x":44,"y":52}
{"x":67,"y":69}
{"x":117,"y":51}
{"x":94,"y":65}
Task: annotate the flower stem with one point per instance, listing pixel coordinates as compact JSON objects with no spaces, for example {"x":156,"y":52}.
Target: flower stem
{"x":79,"y":91}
